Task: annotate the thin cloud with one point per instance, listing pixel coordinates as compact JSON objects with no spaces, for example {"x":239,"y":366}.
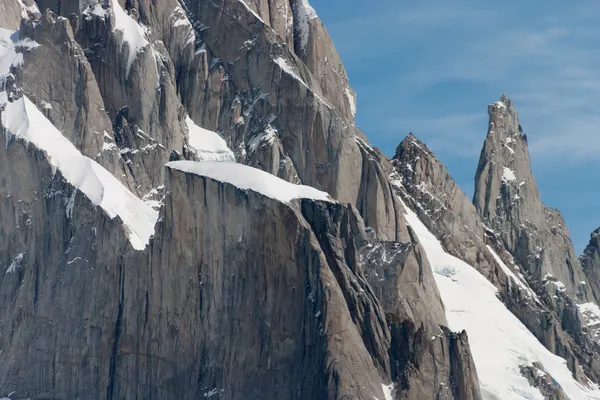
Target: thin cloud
{"x":548,"y":62}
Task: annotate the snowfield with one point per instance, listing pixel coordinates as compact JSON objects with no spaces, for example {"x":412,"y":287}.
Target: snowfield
{"x":499,"y":342}
{"x":248,"y":178}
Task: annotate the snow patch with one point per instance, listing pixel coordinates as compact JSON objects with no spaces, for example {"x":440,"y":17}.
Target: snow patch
{"x":388,"y":391}
{"x":133,"y":33}
{"x":98,"y":10}
{"x":508,"y":175}
{"x":267,"y":137}
{"x":23,"y":120}
{"x":108,"y":146}
{"x":70,"y":204}
{"x":12,"y":268}
{"x":10,"y":56}
{"x":248,"y":178}
{"x":304,"y":13}
{"x":207,"y":145}
{"x":179,"y":18}
{"x":590,"y":313}
{"x":499,"y":342}
{"x":351,"y":100}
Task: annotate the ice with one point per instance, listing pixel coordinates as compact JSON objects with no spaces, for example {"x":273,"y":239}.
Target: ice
{"x":208,"y":145}
{"x":133,"y":33}
{"x":499,"y":342}
{"x":508,"y":175}
{"x":248,"y":178}
{"x":23,"y":120}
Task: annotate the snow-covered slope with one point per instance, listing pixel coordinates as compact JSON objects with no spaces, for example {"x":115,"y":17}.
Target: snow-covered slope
{"x":23,"y":120}
{"x":248,"y":178}
{"x":499,"y":342}
{"x":208,"y":145}
{"x":132,"y":33}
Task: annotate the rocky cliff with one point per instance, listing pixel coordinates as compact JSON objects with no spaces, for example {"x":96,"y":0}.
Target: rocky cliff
{"x":187,"y":210}
{"x":507,"y":198}
{"x":496,"y":235}
{"x":123,"y":278}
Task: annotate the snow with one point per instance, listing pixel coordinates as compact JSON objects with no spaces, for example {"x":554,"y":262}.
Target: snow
{"x":248,"y":178}
{"x":98,"y":10}
{"x":108,"y":146}
{"x":499,"y":342}
{"x":179,"y":18}
{"x":388,"y":391}
{"x":9,"y":44}
{"x":590,"y":313}
{"x":15,"y":264}
{"x":510,"y":274}
{"x":133,"y":33}
{"x":252,"y":11}
{"x":264,"y":138}
{"x":24,"y":8}
{"x":351,"y":100}
{"x":508,"y":175}
{"x":559,"y":285}
{"x":304,"y":14}
{"x":23,"y":120}
{"x":208,"y":145}
{"x":288,"y":70}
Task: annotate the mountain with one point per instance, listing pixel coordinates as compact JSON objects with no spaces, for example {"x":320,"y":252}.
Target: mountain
{"x":187,"y":210}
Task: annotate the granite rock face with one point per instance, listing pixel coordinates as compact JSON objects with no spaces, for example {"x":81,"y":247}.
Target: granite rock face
{"x":507,"y":198}
{"x":283,"y":294}
{"x":237,"y":294}
{"x":281,"y":100}
{"x":590,"y":262}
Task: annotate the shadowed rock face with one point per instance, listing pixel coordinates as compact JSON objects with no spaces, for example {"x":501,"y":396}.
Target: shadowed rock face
{"x":590,"y":262}
{"x":237,"y":295}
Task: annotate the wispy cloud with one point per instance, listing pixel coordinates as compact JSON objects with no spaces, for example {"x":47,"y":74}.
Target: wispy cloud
{"x":544,"y":56}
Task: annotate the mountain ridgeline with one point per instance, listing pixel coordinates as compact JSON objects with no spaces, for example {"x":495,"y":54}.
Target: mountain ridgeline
{"x":187,"y":211}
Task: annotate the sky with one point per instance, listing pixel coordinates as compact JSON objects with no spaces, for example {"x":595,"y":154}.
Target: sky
{"x":431,"y":67}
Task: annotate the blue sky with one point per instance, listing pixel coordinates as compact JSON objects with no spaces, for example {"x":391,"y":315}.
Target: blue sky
{"x":432,"y":67}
